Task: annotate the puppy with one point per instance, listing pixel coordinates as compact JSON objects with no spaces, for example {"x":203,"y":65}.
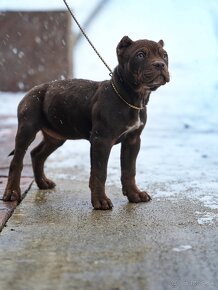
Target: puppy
{"x":105,"y":113}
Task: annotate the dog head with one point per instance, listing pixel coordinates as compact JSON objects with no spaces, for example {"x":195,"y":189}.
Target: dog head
{"x":144,"y":63}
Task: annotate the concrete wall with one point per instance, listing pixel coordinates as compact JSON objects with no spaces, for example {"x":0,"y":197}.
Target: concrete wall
{"x":35,"y":47}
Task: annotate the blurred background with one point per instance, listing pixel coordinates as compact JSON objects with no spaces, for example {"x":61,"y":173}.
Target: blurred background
{"x":189,"y":29}
{"x":40,"y":42}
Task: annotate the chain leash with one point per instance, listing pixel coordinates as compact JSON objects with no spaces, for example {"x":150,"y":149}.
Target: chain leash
{"x":89,"y":41}
{"x":101,"y":58}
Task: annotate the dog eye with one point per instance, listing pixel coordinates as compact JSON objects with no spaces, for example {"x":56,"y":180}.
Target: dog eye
{"x":165,"y":56}
{"x":141,"y":55}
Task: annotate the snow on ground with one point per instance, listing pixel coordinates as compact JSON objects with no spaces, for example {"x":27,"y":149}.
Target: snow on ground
{"x":179,"y":153}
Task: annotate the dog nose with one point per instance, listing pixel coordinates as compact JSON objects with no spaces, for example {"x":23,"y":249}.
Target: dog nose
{"x":159,"y":65}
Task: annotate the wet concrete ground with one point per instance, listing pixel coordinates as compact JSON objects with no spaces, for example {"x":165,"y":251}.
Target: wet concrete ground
{"x":55,"y":240}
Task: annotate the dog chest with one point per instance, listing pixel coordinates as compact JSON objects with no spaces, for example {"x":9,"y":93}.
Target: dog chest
{"x":133,"y":126}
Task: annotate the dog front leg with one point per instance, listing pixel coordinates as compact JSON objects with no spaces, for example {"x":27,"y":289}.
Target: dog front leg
{"x":100,"y":150}
{"x":129,"y":152}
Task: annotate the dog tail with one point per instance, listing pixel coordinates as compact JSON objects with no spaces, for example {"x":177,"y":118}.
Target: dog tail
{"x":12,"y":153}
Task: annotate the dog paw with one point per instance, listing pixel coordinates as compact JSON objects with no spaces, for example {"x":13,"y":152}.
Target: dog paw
{"x":141,"y":196}
{"x":12,"y":195}
{"x":45,"y":183}
{"x":102,"y":203}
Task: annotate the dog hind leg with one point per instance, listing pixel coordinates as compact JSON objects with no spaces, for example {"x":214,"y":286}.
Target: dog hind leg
{"x":39,"y":155}
{"x":25,"y":135}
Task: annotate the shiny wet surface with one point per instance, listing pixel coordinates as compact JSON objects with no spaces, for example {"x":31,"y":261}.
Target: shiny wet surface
{"x":55,"y":240}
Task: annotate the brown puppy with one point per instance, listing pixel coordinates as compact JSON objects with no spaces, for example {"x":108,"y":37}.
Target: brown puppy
{"x":105,"y":113}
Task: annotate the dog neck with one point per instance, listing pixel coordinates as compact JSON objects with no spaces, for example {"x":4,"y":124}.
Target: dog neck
{"x":136,"y":96}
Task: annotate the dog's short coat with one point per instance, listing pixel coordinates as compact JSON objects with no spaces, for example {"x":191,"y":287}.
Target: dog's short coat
{"x":100,"y":112}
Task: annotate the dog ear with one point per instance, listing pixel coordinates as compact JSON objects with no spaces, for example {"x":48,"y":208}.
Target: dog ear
{"x":161,"y":42}
{"x":124,"y":43}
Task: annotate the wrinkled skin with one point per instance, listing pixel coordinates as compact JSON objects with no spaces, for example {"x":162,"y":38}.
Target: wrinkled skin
{"x":83,"y":109}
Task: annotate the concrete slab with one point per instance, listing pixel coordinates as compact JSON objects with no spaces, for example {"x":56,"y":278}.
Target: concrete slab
{"x":55,"y":240}
{"x":7,"y":208}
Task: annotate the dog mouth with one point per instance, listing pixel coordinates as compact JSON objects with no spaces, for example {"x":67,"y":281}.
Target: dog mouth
{"x":158,"y":81}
